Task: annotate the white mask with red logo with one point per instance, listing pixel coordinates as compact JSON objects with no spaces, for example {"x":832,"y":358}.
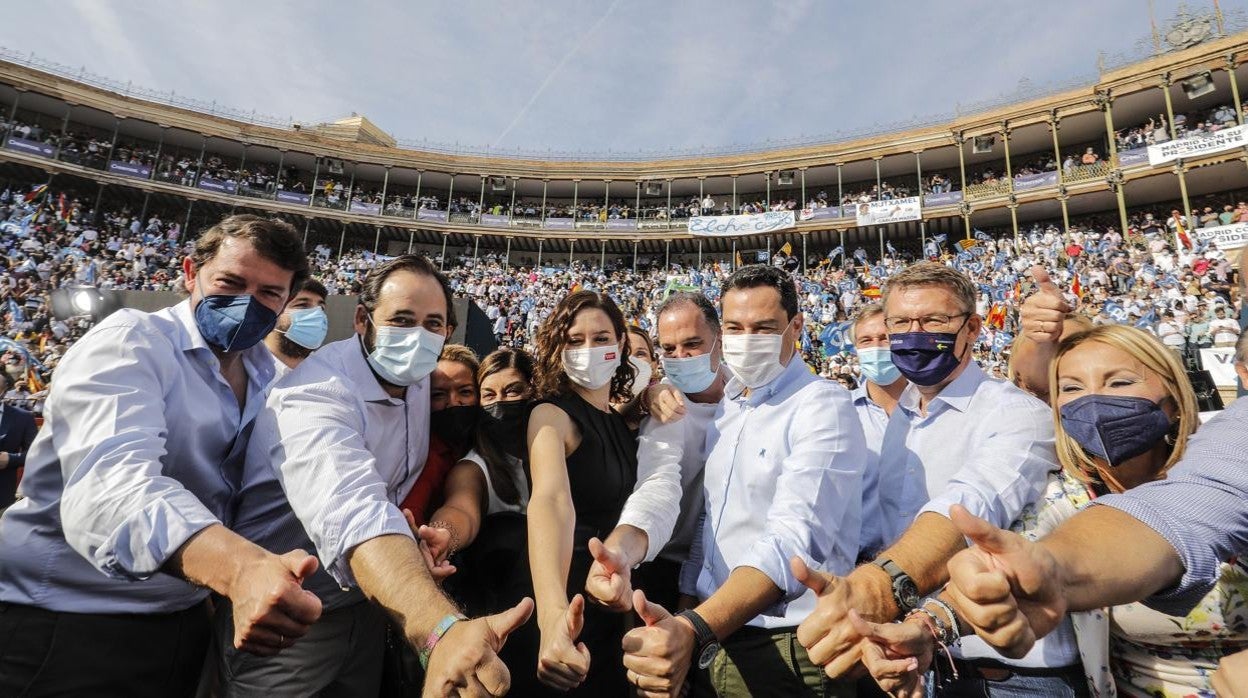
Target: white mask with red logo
{"x":591,"y":368}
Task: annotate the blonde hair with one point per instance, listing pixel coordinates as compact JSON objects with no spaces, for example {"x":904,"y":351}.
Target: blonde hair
{"x":460,"y":354}
{"x":1155,"y":357}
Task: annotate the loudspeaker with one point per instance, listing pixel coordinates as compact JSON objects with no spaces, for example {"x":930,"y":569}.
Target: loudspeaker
{"x":654,"y":188}
{"x":1198,"y":85}
{"x":474,"y":330}
{"x":1208,"y":399}
{"x":784,"y":177}
{"x":983,"y":144}
{"x":498,"y":183}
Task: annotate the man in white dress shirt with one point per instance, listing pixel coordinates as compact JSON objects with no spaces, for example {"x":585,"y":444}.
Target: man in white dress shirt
{"x":129,"y":487}
{"x":957,"y":437}
{"x":782,"y":479}
{"x":343,"y":437}
{"x":660,"y":518}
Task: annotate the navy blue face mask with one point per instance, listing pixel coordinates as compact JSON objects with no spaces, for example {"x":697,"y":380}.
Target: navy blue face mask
{"x":1115,"y":428}
{"x":233,"y":323}
{"x":924,"y":358}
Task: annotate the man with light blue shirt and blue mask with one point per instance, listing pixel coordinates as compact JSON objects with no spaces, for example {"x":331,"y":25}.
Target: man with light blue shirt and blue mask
{"x":301,"y":328}
{"x":965,"y":439}
{"x":875,"y":400}
{"x":783,"y":478}
{"x":340,"y":443}
{"x":131,"y":484}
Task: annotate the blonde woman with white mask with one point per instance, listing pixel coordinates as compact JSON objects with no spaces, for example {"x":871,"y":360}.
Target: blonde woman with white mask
{"x":583,"y":465}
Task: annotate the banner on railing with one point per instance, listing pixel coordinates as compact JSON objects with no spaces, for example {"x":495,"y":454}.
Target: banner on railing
{"x":212,"y":184}
{"x":130,"y":169}
{"x":748,"y":224}
{"x":1130,"y":158}
{"x":1220,"y":362}
{"x":1203,"y":144}
{"x":293,"y":197}
{"x":810,"y":214}
{"x":621,"y":224}
{"x":495,"y":219}
{"x":1227,"y":237}
{"x":426,"y":214}
{"x":24,"y":145}
{"x":558,"y":223}
{"x":365,"y":208}
{"x":891,"y":211}
{"x":944,"y":198}
{"x":1035,"y":181}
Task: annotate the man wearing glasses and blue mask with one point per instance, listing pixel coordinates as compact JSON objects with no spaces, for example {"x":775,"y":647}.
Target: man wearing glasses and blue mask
{"x":341,"y":441}
{"x":783,"y":478}
{"x":132,"y":481}
{"x":956,"y":437}
{"x":301,"y":328}
{"x":660,"y":519}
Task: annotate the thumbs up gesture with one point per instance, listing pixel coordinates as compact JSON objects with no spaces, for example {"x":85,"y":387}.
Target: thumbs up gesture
{"x":563,"y":663}
{"x":608,"y":582}
{"x":1006,"y":587}
{"x":1042,"y":315}
{"x":658,"y":655}
{"x":465,"y":661}
{"x":271,"y":608}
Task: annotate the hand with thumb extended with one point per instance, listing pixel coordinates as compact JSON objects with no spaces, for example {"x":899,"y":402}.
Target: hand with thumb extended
{"x":1006,"y":587}
{"x":563,"y":663}
{"x":1041,"y":316}
{"x":270,"y":607}
{"x":658,"y":655}
{"x":896,"y":654}
{"x":609,"y":580}
{"x":467,"y":654}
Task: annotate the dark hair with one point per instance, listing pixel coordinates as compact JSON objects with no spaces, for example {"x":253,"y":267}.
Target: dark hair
{"x":275,"y":240}
{"x":756,"y":275}
{"x":698,"y":300}
{"x":414,"y":263}
{"x":634,"y":329}
{"x":492,"y":452}
{"x":552,"y":338}
{"x":315,"y":287}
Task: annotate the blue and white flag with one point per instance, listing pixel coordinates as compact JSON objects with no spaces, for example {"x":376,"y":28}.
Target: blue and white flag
{"x":835,"y":338}
{"x":838,"y":251}
{"x":1116,"y":312}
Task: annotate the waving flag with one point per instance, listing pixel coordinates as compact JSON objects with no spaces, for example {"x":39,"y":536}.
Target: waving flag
{"x":35,"y":193}
{"x":1180,"y":232}
{"x":838,"y":251}
{"x":981,"y":235}
{"x":1116,"y":312}
{"x":835,"y":338}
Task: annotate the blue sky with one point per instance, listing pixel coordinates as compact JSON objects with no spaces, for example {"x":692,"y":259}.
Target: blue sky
{"x":616,"y":76}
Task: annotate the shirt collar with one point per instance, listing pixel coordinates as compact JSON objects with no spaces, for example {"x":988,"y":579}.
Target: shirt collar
{"x":957,"y":394}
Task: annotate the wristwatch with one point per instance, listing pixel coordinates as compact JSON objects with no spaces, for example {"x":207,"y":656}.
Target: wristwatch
{"x":703,"y":636}
{"x":905,"y":592}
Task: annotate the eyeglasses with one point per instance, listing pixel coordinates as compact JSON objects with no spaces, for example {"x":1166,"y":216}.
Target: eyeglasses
{"x":927,"y":323}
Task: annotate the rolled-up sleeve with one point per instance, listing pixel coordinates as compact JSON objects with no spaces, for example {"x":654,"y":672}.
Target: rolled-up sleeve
{"x":817,"y":495}
{"x":313,"y":437}
{"x":654,"y":504}
{"x":1007,"y":464}
{"x":1201,"y":508}
{"x":118,"y":509}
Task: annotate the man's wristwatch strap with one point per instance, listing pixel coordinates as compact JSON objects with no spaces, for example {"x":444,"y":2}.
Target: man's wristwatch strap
{"x":702,"y":633}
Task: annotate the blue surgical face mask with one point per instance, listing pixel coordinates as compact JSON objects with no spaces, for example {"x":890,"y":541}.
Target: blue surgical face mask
{"x":926,"y":358}
{"x":308,"y":327}
{"x":692,"y":374}
{"x":877,"y":365}
{"x":404,"y":355}
{"x":233,"y":323}
{"x":1115,"y":428}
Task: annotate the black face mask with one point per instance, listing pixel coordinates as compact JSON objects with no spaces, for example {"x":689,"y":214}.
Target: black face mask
{"x":503,"y":423}
{"x":455,"y":424}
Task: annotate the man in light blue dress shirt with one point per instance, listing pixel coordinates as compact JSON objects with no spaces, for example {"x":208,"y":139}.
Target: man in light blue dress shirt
{"x":783,"y":479}
{"x":962,"y":438}
{"x":129,"y":486}
{"x":340,"y":443}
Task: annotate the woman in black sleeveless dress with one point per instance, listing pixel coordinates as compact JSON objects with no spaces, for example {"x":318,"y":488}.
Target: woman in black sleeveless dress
{"x":583,"y":465}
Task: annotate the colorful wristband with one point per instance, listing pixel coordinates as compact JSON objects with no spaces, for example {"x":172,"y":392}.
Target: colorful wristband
{"x":442,"y":627}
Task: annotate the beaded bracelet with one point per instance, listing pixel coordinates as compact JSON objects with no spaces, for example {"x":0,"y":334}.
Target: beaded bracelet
{"x":439,"y":630}
{"x":954,"y":634}
{"x":930,"y":621}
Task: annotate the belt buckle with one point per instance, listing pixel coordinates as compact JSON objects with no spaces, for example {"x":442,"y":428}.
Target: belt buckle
{"x":994,"y":673}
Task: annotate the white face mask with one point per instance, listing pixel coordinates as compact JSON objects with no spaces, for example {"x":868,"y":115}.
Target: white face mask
{"x":754,"y":358}
{"x":591,"y":368}
{"x":404,"y":355}
{"x":644,"y":373}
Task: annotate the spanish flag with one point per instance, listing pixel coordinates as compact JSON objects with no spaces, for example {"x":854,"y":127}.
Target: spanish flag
{"x":1076,"y":288}
{"x":35,"y":193}
{"x":1181,"y":233}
